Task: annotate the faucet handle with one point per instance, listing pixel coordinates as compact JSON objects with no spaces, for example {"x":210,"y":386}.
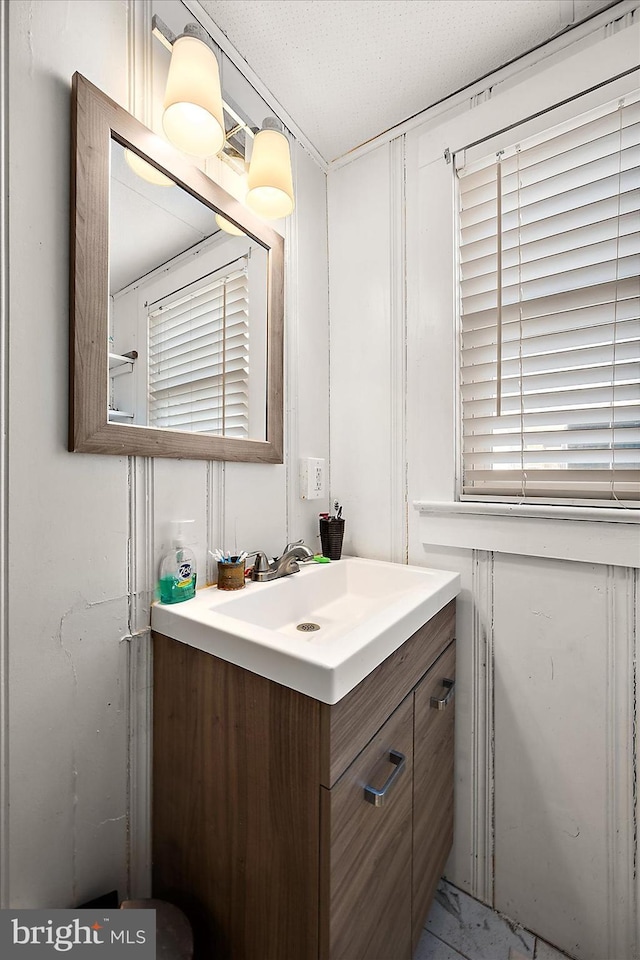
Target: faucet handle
{"x":262,"y":561}
{"x":290,"y":546}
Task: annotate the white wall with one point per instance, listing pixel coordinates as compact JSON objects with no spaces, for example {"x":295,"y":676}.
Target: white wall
{"x":546,"y":755}
{"x":86,"y":532}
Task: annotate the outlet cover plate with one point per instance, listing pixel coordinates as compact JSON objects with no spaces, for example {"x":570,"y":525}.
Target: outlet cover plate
{"x":312,"y":478}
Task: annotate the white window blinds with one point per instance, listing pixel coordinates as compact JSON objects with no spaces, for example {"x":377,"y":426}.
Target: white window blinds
{"x":550,"y":308}
{"x":199,"y":358}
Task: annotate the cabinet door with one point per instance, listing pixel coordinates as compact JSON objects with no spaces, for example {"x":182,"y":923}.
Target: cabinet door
{"x":366,"y":850}
{"x":432,"y":783}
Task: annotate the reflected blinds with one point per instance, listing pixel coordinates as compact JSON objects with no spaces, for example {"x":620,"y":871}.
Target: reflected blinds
{"x":550,"y":328}
{"x":199,"y":358}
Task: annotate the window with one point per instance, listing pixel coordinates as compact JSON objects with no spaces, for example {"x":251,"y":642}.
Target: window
{"x":549,"y":253}
{"x":199,"y":357}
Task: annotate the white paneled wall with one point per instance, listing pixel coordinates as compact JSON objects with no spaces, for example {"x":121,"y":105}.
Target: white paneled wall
{"x":68,"y":530}
{"x":563,"y":751}
{"x":546,"y":713}
{"x":307,"y":355}
{"x":367,"y":352}
{"x":86,"y":532}
{"x":546,"y":753}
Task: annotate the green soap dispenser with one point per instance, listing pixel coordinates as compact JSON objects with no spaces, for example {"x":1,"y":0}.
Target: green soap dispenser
{"x":178,"y":567}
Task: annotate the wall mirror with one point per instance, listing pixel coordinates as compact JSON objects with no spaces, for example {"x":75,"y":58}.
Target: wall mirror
{"x":176,"y":345}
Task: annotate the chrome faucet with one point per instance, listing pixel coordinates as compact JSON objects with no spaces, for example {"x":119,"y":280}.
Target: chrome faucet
{"x":294,"y":554}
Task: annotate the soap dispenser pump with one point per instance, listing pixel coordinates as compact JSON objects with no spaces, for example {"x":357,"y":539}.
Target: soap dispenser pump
{"x":178,"y":567}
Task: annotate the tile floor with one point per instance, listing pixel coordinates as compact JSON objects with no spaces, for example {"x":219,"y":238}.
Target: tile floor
{"x":461,"y":928}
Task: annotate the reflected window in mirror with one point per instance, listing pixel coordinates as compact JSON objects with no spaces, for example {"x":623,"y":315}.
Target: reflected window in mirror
{"x":190,"y":300}
{"x":199,"y":363}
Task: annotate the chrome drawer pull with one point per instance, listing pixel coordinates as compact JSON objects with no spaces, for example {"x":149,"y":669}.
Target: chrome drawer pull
{"x":378,"y":797}
{"x":441,"y":704}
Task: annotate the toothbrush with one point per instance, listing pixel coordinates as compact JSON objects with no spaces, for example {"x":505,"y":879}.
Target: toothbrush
{"x":223,"y":557}
{"x":219,"y":556}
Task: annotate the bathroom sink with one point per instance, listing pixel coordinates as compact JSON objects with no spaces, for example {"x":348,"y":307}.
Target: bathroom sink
{"x":319,"y":631}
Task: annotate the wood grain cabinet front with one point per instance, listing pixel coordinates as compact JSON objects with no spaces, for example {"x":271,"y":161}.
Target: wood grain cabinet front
{"x":432,"y":783}
{"x":289,"y":829}
{"x":366,"y":849}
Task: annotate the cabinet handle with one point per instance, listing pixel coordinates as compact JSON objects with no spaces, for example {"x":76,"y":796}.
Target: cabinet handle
{"x":378,"y":797}
{"x":440,"y":704}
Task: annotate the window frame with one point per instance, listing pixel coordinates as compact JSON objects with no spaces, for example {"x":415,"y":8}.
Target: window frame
{"x":494,"y":143}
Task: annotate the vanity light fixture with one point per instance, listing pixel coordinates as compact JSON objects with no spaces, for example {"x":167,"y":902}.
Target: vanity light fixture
{"x":270,"y":180}
{"x":193,"y":120}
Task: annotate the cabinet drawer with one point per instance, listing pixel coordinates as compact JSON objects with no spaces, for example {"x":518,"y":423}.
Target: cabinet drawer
{"x":432,"y":783}
{"x":347,"y":726}
{"x":366,"y":851}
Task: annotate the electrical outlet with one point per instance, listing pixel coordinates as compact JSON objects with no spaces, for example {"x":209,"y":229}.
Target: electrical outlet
{"x":312,"y":472}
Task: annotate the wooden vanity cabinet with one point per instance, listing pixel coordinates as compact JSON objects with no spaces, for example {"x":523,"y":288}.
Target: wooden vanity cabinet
{"x":366,"y":851}
{"x":433,"y":753}
{"x":261,"y":830}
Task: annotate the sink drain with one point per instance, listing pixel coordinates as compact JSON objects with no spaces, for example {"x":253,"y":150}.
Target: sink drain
{"x":308,"y":627}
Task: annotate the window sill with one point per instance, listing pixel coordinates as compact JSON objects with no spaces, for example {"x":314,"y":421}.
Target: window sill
{"x":588,"y":534}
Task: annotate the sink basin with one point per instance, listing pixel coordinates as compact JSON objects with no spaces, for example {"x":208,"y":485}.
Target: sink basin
{"x":319,"y":631}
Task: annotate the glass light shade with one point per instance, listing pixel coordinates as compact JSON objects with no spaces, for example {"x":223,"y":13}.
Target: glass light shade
{"x":270,"y":180}
{"x":146,"y":170}
{"x":237,"y":189}
{"x":193,"y":119}
{"x":229,"y":227}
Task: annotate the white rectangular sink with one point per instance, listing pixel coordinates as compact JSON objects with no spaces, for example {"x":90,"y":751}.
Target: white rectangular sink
{"x":353,"y":613}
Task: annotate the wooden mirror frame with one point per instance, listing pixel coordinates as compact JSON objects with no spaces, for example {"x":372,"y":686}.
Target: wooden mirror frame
{"x":96,"y":121}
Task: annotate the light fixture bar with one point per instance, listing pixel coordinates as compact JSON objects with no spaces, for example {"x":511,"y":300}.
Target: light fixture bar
{"x":241,"y":122}
{"x":162,"y":32}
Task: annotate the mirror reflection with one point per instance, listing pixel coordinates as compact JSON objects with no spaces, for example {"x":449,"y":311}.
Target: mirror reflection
{"x":187,"y":338}
{"x":176,"y":327}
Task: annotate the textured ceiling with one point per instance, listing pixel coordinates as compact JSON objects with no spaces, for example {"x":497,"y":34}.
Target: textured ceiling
{"x":346,"y":70}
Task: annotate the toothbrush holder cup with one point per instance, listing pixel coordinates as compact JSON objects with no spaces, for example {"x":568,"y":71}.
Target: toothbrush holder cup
{"x":331,"y":535}
{"x":231,"y":576}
